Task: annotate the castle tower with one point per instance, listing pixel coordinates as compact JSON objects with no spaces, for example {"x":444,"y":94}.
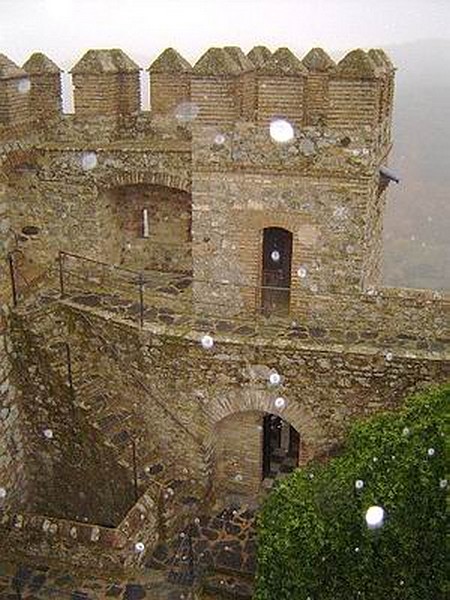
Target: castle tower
{"x":170,"y":82}
{"x":14,"y":93}
{"x":45,"y":93}
{"x":289,"y":221}
{"x":106,"y":83}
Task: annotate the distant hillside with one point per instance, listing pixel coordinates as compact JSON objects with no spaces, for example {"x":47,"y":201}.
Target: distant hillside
{"x":417,"y":226}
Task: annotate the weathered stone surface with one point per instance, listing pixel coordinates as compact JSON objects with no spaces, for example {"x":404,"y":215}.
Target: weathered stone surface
{"x":178,"y":200}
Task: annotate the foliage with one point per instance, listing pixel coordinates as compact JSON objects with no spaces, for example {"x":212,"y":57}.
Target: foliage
{"x":313,"y":539}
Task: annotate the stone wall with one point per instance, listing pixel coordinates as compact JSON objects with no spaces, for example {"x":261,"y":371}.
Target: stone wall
{"x":14,"y":488}
{"x":72,"y":474}
{"x":325,"y":388}
{"x":323,"y":190}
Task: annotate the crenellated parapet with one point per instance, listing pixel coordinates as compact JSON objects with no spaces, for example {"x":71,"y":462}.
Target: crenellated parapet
{"x":215,"y":81}
{"x":316,"y":97}
{"x":106,"y":83}
{"x":14,"y":88}
{"x":45,"y":100}
{"x":223,"y":87}
{"x":170,"y":82}
{"x":280,"y":83}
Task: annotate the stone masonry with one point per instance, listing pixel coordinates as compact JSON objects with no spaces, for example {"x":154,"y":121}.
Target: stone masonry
{"x":127,"y":236}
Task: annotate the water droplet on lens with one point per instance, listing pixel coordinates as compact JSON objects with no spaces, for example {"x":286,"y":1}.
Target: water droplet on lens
{"x":186,"y":112}
{"x":375,"y":517}
{"x":88,"y":161}
{"x":281,"y":131}
{"x":274,"y":378}
{"x":207,"y":342}
{"x":280,"y":402}
{"x":275,"y":255}
{"x":24,"y":86}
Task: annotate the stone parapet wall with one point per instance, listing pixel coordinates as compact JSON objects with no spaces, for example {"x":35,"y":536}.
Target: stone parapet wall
{"x":80,"y":544}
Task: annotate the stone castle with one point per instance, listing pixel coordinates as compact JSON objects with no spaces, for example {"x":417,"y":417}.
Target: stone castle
{"x":191,"y":307}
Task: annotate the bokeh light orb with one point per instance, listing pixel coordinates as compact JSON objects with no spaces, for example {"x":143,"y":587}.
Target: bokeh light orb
{"x":23,"y":86}
{"x":186,"y":112}
{"x":375,"y":517}
{"x":280,"y":402}
{"x":281,"y":131}
{"x":207,"y":342}
{"x":88,"y":161}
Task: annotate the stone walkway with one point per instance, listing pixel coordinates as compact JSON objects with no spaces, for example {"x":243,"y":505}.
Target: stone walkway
{"x":219,"y":550}
{"x":20,"y":581}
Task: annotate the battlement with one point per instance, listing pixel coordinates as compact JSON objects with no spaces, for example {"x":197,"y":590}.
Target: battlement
{"x":225,"y":85}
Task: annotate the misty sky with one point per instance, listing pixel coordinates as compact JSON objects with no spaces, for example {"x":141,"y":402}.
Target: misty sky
{"x":64,"y":29}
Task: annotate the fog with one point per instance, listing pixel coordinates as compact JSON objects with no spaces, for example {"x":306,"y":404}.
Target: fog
{"x":65,"y":28}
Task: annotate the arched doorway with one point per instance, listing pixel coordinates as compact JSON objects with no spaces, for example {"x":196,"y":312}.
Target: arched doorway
{"x":252,"y":447}
{"x":280,"y":448}
{"x":276,"y":270}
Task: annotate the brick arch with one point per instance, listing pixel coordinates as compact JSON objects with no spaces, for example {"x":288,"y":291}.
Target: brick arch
{"x":171,"y":180}
{"x":256,"y":399}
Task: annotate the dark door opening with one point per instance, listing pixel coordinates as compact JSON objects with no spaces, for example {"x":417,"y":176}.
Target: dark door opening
{"x":276,"y":270}
{"x":281,"y":444}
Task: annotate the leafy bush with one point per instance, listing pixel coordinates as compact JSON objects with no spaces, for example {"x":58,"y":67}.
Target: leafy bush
{"x":314,"y":542}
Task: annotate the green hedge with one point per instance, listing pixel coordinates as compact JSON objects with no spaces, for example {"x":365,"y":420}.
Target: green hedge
{"x":313,"y":539}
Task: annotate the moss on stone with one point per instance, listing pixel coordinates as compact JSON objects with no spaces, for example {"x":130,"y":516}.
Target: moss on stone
{"x":39,"y":64}
{"x":170,"y":61}
{"x":216,"y":61}
{"x":9,"y":69}
{"x":259,"y":55}
{"x":105,"y":61}
{"x":283,"y":62}
{"x":357,"y":64}
{"x":318,"y":60}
